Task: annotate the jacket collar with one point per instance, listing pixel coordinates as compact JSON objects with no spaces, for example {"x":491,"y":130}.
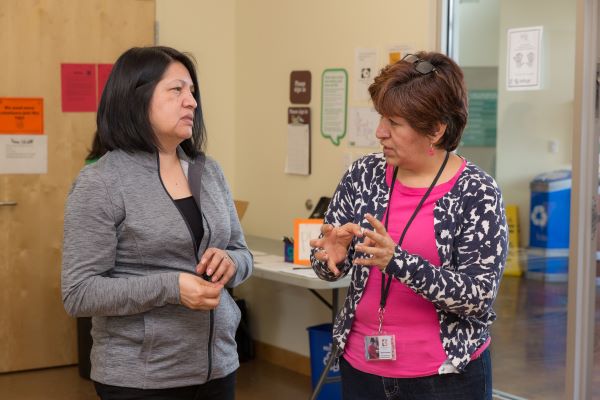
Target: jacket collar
{"x":150,"y":160}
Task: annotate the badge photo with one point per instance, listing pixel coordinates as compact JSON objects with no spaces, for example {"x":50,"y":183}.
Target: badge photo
{"x":380,"y":347}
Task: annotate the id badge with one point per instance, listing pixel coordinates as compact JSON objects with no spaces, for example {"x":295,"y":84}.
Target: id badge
{"x":380,"y":347}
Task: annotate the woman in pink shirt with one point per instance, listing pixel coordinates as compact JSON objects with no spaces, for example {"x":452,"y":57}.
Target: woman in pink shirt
{"x":423,"y":233}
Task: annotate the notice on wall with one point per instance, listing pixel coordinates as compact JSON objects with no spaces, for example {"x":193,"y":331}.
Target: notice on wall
{"x":23,"y":154}
{"x":397,"y":51}
{"x":103,"y":73}
{"x":334,"y":102}
{"x":82,"y":86}
{"x":481,"y":126}
{"x":78,"y":84}
{"x":362,"y":123}
{"x":524,"y":48}
{"x":297,"y":159}
{"x":299,"y":115}
{"x":300,"y":87}
{"x":365,"y":65}
{"x":20,"y":115}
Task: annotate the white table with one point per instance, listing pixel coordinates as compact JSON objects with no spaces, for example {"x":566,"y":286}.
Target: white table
{"x":268,"y":265}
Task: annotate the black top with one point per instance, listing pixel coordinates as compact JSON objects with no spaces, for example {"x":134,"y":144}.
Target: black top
{"x":192,"y":215}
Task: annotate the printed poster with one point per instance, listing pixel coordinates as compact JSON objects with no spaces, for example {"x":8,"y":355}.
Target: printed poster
{"x":365,"y":69}
{"x":78,"y":84}
{"x":524,"y":64}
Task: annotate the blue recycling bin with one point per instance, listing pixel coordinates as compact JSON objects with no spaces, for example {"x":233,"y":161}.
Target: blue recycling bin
{"x":547,"y":256}
{"x":320,"y":340}
{"x":550,"y":210}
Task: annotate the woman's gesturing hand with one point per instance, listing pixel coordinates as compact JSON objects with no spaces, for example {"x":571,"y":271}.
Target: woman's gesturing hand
{"x":378,"y":245}
{"x":197,"y":294}
{"x":217,"y":265}
{"x":333,"y":245}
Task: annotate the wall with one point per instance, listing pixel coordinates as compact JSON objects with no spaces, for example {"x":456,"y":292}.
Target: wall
{"x":206,"y":29}
{"x":276,"y":37}
{"x":528,"y":120}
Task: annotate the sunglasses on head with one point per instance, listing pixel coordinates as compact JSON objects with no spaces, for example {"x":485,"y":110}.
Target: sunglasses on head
{"x":422,"y":66}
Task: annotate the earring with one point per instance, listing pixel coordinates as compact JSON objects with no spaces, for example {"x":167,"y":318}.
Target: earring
{"x":430,"y":151}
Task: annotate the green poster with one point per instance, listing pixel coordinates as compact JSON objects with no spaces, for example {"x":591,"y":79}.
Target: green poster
{"x":334,"y":104}
{"x":481,"y":125}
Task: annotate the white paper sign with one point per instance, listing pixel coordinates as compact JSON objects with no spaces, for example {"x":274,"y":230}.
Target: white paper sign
{"x":23,"y":154}
{"x":365,"y":65}
{"x":524,"y":65}
{"x":363,"y":122}
{"x":298,"y":150}
{"x":306,"y":233}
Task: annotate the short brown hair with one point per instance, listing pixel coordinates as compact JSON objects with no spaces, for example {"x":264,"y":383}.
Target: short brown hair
{"x":424,"y":100}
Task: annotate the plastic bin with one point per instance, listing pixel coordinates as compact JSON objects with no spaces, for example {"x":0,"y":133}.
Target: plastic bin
{"x":320,"y":339}
{"x":547,"y":257}
{"x":550,"y":210}
{"x":550,"y":265}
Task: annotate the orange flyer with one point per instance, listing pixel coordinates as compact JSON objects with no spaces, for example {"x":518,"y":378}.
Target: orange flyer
{"x":20,"y":115}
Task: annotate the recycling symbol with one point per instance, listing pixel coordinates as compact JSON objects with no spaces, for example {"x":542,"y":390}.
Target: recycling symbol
{"x":336,"y":365}
{"x":539,"y":217}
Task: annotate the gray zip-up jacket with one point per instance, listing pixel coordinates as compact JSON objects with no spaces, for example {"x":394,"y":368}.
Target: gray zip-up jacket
{"x":125,"y":244}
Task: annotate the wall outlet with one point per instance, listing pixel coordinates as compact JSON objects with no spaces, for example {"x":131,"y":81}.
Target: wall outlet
{"x":553,"y":146}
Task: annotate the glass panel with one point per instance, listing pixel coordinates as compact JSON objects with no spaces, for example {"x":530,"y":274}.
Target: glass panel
{"x":522,"y":138}
{"x":475,"y":48}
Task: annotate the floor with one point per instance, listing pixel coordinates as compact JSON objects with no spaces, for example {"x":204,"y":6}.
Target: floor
{"x":528,"y":350}
{"x":529,"y":339}
{"x":255,"y":380}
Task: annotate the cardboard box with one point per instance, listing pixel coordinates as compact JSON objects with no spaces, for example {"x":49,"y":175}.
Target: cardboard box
{"x":240,"y":207}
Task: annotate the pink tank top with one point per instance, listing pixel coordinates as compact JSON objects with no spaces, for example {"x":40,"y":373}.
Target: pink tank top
{"x":409,"y":316}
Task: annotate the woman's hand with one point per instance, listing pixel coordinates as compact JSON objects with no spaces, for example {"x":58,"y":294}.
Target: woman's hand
{"x":378,"y":245}
{"x":197,"y":294}
{"x":217,"y":265}
{"x":333,"y":246}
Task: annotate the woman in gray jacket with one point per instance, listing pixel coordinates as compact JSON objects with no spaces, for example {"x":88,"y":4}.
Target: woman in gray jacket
{"x":152,"y":238}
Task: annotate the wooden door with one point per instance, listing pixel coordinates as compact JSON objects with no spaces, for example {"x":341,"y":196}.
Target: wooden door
{"x":36,"y":36}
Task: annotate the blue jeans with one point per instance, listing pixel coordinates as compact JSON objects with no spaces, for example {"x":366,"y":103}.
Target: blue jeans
{"x":475,"y":383}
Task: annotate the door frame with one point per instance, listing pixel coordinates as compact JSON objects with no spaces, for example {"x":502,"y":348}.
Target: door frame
{"x":584,"y":194}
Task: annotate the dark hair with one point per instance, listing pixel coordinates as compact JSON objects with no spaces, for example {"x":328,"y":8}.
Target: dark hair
{"x":123,"y":114}
{"x":424,"y":100}
{"x":97,"y":150}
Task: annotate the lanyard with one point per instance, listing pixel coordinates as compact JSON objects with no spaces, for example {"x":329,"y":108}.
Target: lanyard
{"x":386,"y":283}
